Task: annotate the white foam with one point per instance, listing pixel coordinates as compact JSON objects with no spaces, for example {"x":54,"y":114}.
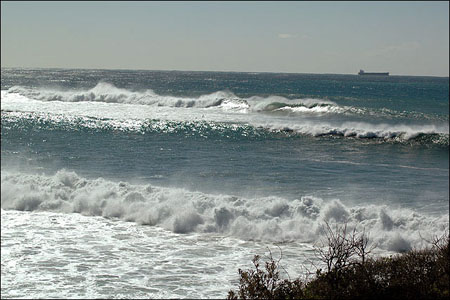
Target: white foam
{"x":305,"y":105}
{"x":98,"y":258}
{"x":183,"y":211}
{"x":108,"y":93}
{"x":131,"y":118}
{"x":123,"y":109}
{"x":362,"y":129}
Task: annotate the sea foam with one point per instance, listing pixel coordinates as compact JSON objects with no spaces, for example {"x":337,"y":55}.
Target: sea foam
{"x":196,"y":124}
{"x":108,"y":107}
{"x":182,"y":211}
{"x":226,"y":100}
{"x":106,"y":92}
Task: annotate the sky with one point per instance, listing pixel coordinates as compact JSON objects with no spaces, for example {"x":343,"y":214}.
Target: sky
{"x":403,"y":38}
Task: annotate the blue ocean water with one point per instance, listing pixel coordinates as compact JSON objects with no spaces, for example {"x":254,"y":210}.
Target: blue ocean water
{"x":253,"y":156}
{"x":372,"y":139}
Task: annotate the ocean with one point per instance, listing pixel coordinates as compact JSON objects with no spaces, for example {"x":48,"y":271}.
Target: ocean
{"x":162,"y":184}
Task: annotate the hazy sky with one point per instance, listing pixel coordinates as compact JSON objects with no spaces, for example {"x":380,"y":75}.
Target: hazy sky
{"x":404,"y":38}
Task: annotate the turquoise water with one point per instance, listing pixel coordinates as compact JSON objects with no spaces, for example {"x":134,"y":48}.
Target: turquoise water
{"x":164,"y":183}
{"x":375,"y":139}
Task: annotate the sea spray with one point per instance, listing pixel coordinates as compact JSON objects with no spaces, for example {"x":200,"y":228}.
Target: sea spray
{"x":183,"y":211}
{"x":122,"y":183}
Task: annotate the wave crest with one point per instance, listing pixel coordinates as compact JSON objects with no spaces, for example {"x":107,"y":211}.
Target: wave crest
{"x":412,"y":134}
{"x":183,"y":211}
{"x":108,"y":93}
{"x":280,"y":104}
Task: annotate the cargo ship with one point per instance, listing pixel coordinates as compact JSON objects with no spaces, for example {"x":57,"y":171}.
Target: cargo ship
{"x":361,"y":72}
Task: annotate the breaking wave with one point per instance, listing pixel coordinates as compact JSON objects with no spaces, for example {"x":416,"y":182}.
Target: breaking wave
{"x":183,"y":211}
{"x":106,"y":92}
{"x":282,"y":104}
{"x":417,"y":134}
{"x":397,"y":133}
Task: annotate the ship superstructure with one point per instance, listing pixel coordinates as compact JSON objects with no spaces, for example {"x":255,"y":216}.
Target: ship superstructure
{"x":361,"y":72}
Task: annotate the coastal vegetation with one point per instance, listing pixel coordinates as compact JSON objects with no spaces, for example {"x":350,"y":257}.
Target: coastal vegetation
{"x":351,"y":272}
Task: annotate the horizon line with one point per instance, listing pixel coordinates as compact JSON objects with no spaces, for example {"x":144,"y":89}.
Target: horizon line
{"x":217,"y":71}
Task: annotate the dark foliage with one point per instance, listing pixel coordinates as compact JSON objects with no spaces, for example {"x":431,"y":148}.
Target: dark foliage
{"x":266,"y":284}
{"x":352,"y":274}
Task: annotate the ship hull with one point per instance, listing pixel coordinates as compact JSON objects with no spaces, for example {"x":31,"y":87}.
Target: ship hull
{"x":376,"y":74}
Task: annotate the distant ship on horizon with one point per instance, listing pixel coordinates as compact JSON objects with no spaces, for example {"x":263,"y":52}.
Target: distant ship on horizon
{"x":361,"y":72}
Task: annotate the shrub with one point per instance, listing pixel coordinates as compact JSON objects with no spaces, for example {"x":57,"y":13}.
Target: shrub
{"x":266,"y":284}
{"x":352,"y":274}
